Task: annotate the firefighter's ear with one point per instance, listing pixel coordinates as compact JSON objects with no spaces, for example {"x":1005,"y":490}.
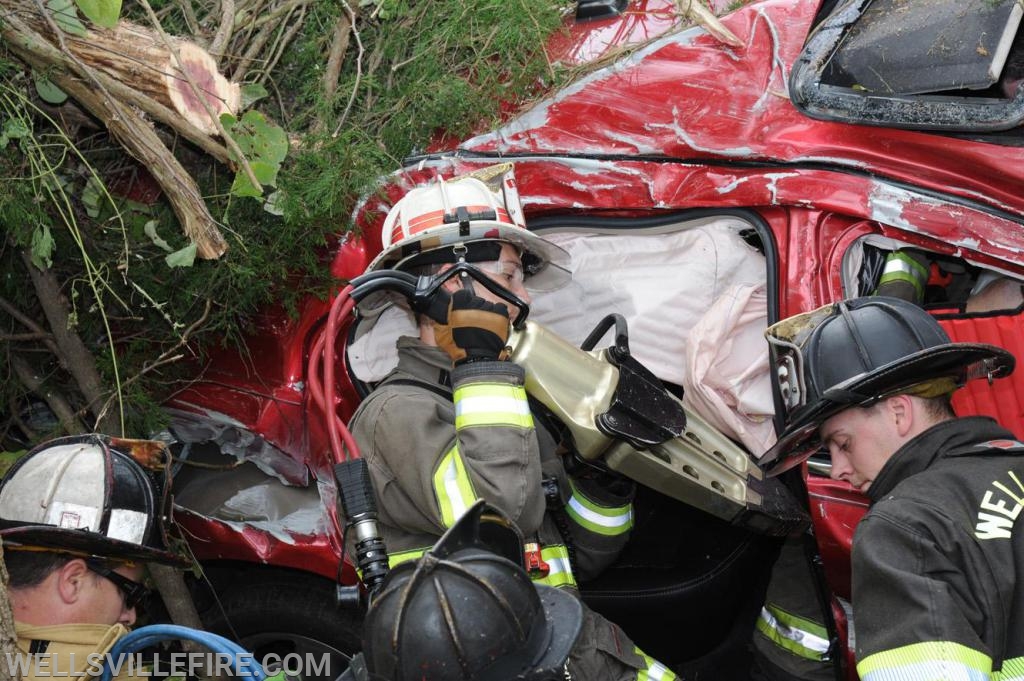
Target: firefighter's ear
{"x":901,"y":410}
{"x":72,"y":579}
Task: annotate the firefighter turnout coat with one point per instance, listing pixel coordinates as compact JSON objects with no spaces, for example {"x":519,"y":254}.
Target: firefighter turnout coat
{"x":432,"y":450}
{"x":938,"y":561}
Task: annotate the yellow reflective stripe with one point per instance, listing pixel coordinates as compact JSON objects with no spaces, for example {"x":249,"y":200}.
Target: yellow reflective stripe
{"x":453,"y":487}
{"x":798,"y":635}
{"x":607,"y":520}
{"x":926,"y":662}
{"x":655,"y":670}
{"x":560,"y":569}
{"x":901,"y":267}
{"x":488,"y":404}
{"x":405,"y":556}
{"x":1013,"y":670}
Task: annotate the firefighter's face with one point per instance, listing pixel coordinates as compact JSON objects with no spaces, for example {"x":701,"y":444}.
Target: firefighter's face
{"x":507,"y":272}
{"x":862,"y":440}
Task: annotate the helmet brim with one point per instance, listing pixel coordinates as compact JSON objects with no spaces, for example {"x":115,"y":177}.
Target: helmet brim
{"x":81,"y":542}
{"x":959,"y":361}
{"x":553,"y":273}
{"x":564,"y":614}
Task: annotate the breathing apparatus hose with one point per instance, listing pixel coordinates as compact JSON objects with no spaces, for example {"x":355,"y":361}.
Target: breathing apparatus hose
{"x":243,"y":664}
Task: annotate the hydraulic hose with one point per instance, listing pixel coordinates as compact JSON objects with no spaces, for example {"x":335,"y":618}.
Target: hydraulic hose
{"x":355,"y":488}
{"x":243,"y":664}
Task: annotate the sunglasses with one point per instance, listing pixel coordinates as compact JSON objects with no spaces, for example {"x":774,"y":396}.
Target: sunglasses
{"x":133,"y":592}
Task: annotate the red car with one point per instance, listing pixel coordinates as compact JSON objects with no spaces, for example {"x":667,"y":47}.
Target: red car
{"x":705,"y":190}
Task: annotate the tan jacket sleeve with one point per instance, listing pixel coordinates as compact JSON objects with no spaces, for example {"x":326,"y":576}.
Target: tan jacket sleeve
{"x":430,"y":458}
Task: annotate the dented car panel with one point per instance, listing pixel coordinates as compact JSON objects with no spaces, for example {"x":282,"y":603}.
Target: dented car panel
{"x":668,"y":121}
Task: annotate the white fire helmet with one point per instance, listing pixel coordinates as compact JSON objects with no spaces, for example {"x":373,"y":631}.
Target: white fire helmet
{"x":466,"y":219}
{"x":82,"y":496}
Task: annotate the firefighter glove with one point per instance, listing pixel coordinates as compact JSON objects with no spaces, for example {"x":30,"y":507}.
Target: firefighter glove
{"x":471,"y":328}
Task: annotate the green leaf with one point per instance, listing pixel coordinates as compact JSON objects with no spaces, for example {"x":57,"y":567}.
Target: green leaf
{"x":66,"y":16}
{"x":42,"y":247}
{"x":92,"y":197}
{"x":150,"y":229}
{"x":263,"y":143}
{"x":101,"y":12}
{"x":183,"y":258}
{"x":273,"y":203}
{"x":49,"y":92}
{"x":243,"y":187}
{"x":252,"y":93}
{"x":14,"y":129}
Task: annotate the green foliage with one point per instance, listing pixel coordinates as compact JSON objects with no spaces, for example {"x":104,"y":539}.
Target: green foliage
{"x":48,"y":92}
{"x":101,"y":12}
{"x":66,"y":17}
{"x":264,"y":145}
{"x":8,"y":459}
{"x":428,"y":67}
{"x":252,"y":93}
{"x":129,"y":273}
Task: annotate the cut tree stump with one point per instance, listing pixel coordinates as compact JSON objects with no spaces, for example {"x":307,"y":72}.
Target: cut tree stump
{"x":139,"y":57}
{"x":136,"y":55}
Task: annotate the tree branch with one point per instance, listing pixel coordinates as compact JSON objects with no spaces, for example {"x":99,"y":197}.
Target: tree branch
{"x":77,"y":359}
{"x":58,"y":405}
{"x":136,"y":135}
{"x":228,"y":139}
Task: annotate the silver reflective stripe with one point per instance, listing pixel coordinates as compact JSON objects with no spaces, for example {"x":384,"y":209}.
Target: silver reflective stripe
{"x":558,"y":565}
{"x":610,"y":521}
{"x":491,"y":405}
{"x":658,"y":671}
{"x":452,"y":490}
{"x":804,"y":639}
{"x":893,"y":265}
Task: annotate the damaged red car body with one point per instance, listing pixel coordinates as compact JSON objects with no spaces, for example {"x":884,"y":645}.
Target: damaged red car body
{"x":674,"y":127}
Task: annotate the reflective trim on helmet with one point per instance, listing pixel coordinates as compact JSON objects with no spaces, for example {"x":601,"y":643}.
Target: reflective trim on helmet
{"x":611,"y":521}
{"x":798,"y":635}
{"x":483,"y":404}
{"x":438,"y":218}
{"x":654,"y":670}
{"x":559,"y":567}
{"x":400,"y":557}
{"x":453,"y":487}
{"x":926,"y":661}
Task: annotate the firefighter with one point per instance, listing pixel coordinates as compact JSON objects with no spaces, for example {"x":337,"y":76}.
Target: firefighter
{"x":452,"y":423}
{"x":467,"y":610}
{"x":79,"y":520}
{"x":936,"y":560}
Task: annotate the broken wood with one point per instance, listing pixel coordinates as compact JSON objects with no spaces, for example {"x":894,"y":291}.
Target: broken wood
{"x":138,"y":56}
{"x":73,"y":355}
{"x":85,"y":84}
{"x":704,"y":17}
